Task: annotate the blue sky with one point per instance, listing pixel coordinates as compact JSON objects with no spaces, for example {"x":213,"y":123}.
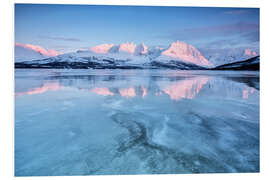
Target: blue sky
{"x":71,"y":27}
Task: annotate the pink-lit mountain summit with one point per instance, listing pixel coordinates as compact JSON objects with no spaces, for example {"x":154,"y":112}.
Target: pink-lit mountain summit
{"x":176,"y":51}
{"x":188,"y":53}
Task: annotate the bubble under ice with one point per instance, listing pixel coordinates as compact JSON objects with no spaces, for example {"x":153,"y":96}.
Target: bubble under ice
{"x":88,"y":122}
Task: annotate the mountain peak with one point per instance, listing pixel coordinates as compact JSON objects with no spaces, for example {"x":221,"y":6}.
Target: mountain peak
{"x":102,"y":48}
{"x":187,"y":53}
{"x":25,"y":52}
{"x":141,"y":49}
{"x":128,"y":47}
{"x":249,"y":52}
{"x":39,"y":49}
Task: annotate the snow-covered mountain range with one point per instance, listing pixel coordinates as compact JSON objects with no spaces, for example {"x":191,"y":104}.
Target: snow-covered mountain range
{"x":229,"y":55}
{"x":178,"y":55}
{"x":28,"y":52}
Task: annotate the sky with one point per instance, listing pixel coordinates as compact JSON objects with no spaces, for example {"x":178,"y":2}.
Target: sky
{"x":67,"y":28}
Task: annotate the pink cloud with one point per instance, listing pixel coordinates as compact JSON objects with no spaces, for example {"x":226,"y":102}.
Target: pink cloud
{"x":39,"y":49}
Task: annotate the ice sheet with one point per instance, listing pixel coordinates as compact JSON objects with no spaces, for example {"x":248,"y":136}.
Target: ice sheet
{"x":86,"y":122}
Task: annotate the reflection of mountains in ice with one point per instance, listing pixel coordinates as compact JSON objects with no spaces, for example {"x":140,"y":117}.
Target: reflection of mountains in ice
{"x":176,"y":88}
{"x":187,"y":88}
{"x":50,"y":86}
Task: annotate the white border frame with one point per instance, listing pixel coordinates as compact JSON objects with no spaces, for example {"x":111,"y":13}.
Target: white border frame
{"x":7,"y":86}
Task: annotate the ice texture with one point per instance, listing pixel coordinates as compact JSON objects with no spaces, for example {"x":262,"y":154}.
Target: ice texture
{"x":97,"y":122}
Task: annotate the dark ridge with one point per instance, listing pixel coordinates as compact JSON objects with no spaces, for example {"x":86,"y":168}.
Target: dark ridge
{"x":176,"y":65}
{"x":249,"y":64}
{"x":73,"y":65}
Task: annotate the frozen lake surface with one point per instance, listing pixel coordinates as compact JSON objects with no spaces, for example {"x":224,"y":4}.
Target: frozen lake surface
{"x":87,"y":122}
